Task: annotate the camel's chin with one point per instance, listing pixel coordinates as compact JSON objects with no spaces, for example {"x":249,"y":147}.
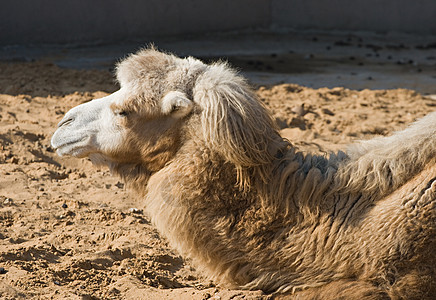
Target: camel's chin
{"x":72,"y":150}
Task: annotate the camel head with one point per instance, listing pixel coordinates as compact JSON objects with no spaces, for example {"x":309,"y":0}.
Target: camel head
{"x":146,"y":121}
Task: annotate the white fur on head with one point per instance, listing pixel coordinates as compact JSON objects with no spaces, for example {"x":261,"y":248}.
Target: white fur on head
{"x":176,"y":103}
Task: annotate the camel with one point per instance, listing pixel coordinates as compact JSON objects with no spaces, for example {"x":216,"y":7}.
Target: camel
{"x":248,"y":209}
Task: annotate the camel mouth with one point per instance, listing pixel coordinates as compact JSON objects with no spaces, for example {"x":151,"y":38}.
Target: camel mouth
{"x":72,"y":148}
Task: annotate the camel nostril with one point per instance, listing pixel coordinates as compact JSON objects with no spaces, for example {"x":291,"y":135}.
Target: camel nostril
{"x":65,"y":122}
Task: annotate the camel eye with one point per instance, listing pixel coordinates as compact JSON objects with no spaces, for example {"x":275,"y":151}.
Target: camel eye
{"x":122,"y":113}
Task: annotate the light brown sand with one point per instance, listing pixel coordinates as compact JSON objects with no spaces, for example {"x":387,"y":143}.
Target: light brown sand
{"x":71,"y":231}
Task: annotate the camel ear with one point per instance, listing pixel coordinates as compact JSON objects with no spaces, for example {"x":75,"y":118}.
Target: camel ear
{"x":177,"y":104}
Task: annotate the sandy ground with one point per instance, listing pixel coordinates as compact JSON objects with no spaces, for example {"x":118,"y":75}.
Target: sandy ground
{"x":71,"y":231}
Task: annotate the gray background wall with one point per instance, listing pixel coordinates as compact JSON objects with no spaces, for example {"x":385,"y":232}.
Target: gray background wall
{"x":408,"y":16}
{"x":108,"y":21}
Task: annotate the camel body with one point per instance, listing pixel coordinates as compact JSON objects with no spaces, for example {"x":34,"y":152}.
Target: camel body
{"x":251,"y":211}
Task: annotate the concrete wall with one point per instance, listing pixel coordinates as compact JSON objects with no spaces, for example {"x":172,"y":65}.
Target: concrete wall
{"x":76,"y":21}
{"x":408,"y":16}
{"x":90,"y":21}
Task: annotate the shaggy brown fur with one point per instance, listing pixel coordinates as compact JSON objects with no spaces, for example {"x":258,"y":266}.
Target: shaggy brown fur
{"x":251,"y":212}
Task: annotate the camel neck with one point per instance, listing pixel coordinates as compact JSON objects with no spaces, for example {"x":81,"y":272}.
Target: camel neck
{"x":298,"y":180}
